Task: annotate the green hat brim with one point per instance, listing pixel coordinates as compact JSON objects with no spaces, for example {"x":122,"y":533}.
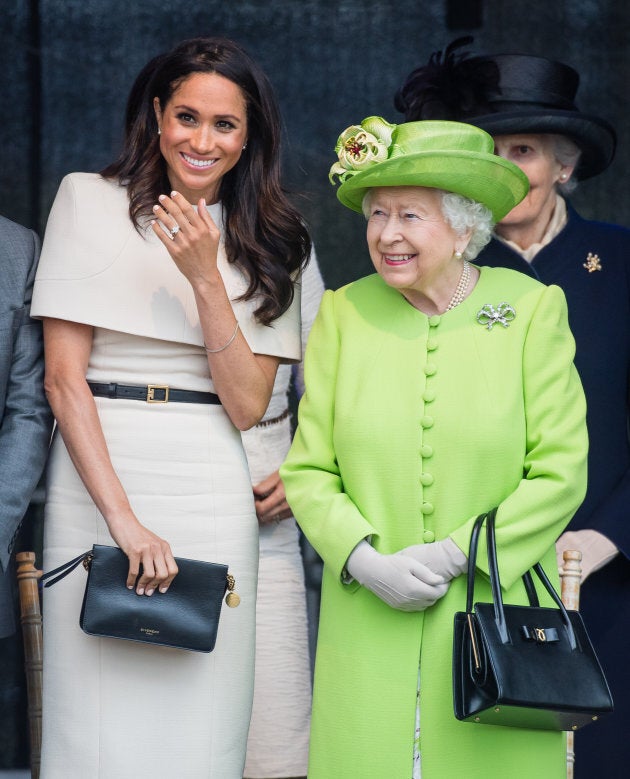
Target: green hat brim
{"x":487,"y":178}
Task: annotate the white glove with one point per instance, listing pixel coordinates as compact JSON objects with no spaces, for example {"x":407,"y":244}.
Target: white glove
{"x":597,"y":550}
{"x":444,"y":558}
{"x":399,"y":581}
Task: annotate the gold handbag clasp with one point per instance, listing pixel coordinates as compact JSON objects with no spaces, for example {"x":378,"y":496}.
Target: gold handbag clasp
{"x":473,"y":642}
{"x":232,"y":598}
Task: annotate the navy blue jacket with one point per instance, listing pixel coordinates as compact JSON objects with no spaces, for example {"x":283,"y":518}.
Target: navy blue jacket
{"x":599,"y":315}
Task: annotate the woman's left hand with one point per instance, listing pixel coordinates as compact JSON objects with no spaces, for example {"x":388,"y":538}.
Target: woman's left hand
{"x":190,"y":237}
{"x":444,"y":557}
{"x":270,"y":500}
{"x":243,"y":380}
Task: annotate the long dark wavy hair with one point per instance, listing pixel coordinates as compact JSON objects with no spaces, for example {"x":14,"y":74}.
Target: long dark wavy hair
{"x":264,"y":234}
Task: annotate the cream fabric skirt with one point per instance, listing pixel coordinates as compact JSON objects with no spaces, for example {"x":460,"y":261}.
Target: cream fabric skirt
{"x":121,"y":710}
{"x":279,"y":730}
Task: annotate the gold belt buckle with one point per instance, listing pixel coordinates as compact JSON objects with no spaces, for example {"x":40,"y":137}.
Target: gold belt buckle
{"x":151,"y":393}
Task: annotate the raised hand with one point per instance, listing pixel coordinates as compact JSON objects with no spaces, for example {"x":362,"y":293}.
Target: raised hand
{"x":190,"y":237}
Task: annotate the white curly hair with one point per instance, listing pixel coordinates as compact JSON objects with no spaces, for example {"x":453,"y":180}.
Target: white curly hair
{"x":463,"y":215}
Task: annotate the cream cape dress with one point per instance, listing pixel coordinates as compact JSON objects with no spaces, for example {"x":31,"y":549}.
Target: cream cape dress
{"x":116,"y":709}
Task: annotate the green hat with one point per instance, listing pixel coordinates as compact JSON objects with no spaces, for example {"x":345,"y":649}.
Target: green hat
{"x":452,"y":156}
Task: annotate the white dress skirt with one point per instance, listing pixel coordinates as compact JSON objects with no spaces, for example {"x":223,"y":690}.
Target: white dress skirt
{"x":281,"y":715}
{"x":121,"y":710}
{"x":279,"y":730}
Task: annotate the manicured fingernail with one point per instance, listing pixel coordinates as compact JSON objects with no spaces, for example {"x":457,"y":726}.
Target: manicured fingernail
{"x":162,"y":197}
{"x":141,"y":591}
{"x":163,"y":589}
{"x":173,"y":193}
{"x":150,"y":592}
{"x":130,"y":586}
{"x":156,"y":208}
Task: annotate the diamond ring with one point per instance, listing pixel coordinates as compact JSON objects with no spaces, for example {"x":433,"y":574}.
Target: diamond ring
{"x":174,"y":230}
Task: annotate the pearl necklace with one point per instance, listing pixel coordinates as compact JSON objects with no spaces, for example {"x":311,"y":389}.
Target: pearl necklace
{"x":460,"y":289}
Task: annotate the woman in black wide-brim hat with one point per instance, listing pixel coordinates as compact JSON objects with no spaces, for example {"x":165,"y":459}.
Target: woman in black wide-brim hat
{"x":528,"y":105}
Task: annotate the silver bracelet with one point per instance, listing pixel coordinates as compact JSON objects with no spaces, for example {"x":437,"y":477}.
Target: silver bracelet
{"x":225,"y":346}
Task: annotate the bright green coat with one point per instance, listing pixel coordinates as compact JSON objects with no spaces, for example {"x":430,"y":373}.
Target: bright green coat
{"x":411,"y":426}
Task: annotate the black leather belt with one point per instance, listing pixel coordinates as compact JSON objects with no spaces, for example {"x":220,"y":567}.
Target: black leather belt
{"x":274,"y":421}
{"x":151,"y":393}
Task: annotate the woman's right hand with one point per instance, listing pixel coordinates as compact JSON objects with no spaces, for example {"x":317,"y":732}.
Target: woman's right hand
{"x":398,"y":580}
{"x":147,"y":552}
{"x":68,"y":347}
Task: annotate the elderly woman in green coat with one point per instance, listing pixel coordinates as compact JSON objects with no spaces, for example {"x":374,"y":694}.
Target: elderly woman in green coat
{"x":435,"y":390}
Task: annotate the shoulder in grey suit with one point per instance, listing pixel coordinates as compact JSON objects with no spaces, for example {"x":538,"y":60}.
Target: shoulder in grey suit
{"x":25,"y":418}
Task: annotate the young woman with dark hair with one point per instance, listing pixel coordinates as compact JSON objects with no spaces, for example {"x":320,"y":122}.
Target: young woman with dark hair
{"x":260,"y":224}
{"x":169,"y":290}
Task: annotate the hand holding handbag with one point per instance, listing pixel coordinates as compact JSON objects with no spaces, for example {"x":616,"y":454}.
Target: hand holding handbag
{"x":184,"y":617}
{"x":523,"y":666}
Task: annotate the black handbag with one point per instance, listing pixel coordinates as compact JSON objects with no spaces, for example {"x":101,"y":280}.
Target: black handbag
{"x":185,"y":617}
{"x":523,"y":666}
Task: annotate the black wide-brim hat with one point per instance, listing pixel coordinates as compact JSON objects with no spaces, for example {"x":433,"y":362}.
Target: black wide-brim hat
{"x":526,"y":94}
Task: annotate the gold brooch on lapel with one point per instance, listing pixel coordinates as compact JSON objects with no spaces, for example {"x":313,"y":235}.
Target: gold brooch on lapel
{"x":592,"y":263}
{"x":489,"y":316}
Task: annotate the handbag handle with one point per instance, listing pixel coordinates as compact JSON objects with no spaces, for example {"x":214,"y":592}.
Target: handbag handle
{"x":495,"y":581}
{"x":66,"y":568}
{"x":532,"y":595}
{"x":472,"y":559}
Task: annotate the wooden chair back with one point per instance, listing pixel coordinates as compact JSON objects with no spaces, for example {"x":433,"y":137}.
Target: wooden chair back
{"x":570,"y":576}
{"x":31,"y":618}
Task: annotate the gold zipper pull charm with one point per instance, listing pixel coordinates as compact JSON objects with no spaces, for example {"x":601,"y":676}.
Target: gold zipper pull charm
{"x":232,"y":599}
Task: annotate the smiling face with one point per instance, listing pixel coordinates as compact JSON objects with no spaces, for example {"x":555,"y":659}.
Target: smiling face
{"x":410,"y":243}
{"x":535,"y":156}
{"x":203,"y":129}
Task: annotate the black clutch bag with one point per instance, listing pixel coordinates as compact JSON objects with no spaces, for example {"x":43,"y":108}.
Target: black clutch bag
{"x":523,"y":666}
{"x":185,"y":617}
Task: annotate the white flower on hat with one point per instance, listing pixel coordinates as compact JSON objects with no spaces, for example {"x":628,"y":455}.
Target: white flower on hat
{"x":360,"y":146}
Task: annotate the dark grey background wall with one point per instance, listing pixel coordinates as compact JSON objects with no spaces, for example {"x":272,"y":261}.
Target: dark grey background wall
{"x":67,"y":66}
{"x":69,"y":63}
